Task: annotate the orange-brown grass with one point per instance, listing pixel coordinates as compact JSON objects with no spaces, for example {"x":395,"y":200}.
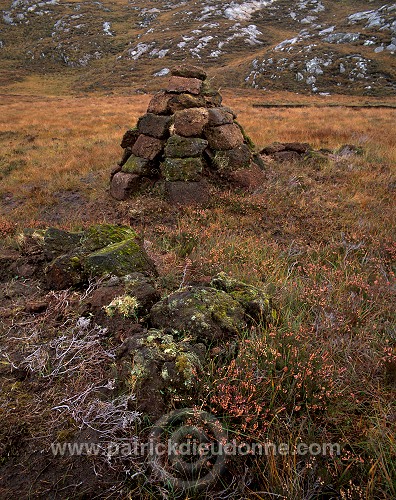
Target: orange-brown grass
{"x":317,"y":235}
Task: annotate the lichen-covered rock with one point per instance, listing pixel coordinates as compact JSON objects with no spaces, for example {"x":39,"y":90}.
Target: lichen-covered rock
{"x":182,"y":169}
{"x":102,"y":249}
{"x":233,"y":159}
{"x":204,"y":314}
{"x":135,"y":285}
{"x":154,"y":126}
{"x":256,"y":303}
{"x":138,"y":166}
{"x":57,"y":242}
{"x":184,"y":101}
{"x":118,"y":259}
{"x":185,"y":147}
{"x":157,"y":368}
{"x":190,"y":122}
{"x":99,"y":236}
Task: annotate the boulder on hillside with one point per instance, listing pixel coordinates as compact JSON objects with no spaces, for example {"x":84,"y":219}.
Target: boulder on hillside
{"x":204,"y":314}
{"x":158,"y":367}
{"x":100,"y":250}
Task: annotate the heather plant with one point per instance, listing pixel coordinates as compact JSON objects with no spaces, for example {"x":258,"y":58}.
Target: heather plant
{"x":278,"y":374}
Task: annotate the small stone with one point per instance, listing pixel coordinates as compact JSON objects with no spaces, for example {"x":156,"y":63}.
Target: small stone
{"x":224,"y":137}
{"x":273,"y":148}
{"x":159,"y":104}
{"x":219,"y":116}
{"x":118,"y":259}
{"x":191,"y":122}
{"x":188,"y":71}
{"x":182,"y":169}
{"x":184,"y":101}
{"x":147,"y":147}
{"x":298,"y":147}
{"x":184,"y":147}
{"x":179,"y":85}
{"x":123,"y":185}
{"x":154,"y":125}
{"x":138,"y":166}
{"x":284,"y":156}
{"x":187,"y":193}
{"x":57,"y":242}
{"x":129,"y":138}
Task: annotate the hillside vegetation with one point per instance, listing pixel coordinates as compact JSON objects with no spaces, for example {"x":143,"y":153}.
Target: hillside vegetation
{"x":307,"y":46}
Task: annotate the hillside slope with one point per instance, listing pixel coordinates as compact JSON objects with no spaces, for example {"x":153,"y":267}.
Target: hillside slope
{"x":303,"y":46}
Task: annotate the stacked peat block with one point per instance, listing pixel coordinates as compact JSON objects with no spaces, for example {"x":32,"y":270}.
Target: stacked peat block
{"x":185,"y":137}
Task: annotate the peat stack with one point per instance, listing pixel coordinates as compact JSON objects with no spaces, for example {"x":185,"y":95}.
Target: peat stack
{"x":185,"y":139}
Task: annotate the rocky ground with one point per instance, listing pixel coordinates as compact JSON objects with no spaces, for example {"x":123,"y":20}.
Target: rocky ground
{"x":310,"y":46}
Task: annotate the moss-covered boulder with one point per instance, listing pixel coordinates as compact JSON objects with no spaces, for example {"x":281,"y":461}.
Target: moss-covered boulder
{"x":100,"y":235}
{"x":182,"y":169}
{"x":118,"y":259}
{"x":203,"y":314}
{"x":100,"y":250}
{"x":138,"y":166}
{"x":256,"y":303}
{"x":158,"y":368}
{"x":58,"y":242}
{"x":185,"y":147}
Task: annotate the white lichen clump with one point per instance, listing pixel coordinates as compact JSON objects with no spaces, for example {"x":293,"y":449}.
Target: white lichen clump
{"x":125,"y":305}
